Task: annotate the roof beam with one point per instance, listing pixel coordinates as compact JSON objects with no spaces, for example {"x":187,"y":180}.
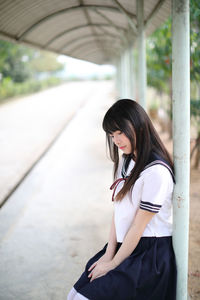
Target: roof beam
{"x":63,"y":11}
{"x":96,"y":59}
{"x":86,"y":36}
{"x":12,"y":38}
{"x":89,"y":22}
{"x":106,"y":32}
{"x":113,"y":25}
{"x":100,"y":44}
{"x":112,"y":51}
{"x":128,"y":16}
{"x":76,"y":28}
{"x":154,"y":12}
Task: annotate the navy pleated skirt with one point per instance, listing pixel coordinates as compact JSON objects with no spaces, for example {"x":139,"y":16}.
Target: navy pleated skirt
{"x":149,"y":273}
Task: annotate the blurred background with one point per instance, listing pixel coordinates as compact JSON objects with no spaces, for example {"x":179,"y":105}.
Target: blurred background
{"x":55,"y":172}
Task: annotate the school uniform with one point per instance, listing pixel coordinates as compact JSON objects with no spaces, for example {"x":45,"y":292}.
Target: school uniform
{"x":149,"y":273}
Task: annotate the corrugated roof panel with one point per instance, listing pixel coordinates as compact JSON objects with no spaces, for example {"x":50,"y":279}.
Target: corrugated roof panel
{"x":18,"y":15}
{"x":103,"y":46}
{"x":71,"y":37}
{"x":159,"y":18}
{"x":89,"y":55}
{"x":101,"y":2}
{"x":58,"y":24}
{"x":111,"y":30}
{"x":94,"y":17}
{"x":99,"y":39}
{"x":115,"y":17}
{"x":130,"y":6}
{"x":149,"y":6}
{"x":62,"y":26}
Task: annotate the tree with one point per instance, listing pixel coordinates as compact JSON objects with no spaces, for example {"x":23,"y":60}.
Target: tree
{"x":159,"y":60}
{"x":195,"y":42}
{"x":159,"y":49}
{"x":20,"y":63}
{"x":159,"y":64}
{"x":195,"y":119}
{"x":14,"y":61}
{"x":44,"y":61}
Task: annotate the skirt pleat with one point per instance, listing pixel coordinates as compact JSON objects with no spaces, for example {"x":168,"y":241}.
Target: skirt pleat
{"x":149,"y":273}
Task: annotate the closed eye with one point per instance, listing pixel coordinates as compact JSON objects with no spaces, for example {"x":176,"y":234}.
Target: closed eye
{"x":117,"y":132}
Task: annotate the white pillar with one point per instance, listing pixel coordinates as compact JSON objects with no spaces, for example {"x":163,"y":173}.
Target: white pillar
{"x":123,"y":83}
{"x":142,"y":76}
{"x":181,"y":138}
{"x":131,"y":74}
{"x":118,"y":76}
{"x":126,"y":73}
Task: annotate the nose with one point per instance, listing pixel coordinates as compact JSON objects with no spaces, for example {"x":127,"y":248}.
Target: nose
{"x":117,"y":140}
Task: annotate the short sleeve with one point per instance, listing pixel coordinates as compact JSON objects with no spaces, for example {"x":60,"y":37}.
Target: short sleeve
{"x":157,"y":186}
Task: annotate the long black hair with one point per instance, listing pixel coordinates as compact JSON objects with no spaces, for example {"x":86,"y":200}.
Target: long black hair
{"x":129,"y":117}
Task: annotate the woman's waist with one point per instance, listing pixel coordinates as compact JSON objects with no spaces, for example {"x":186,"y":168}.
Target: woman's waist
{"x":147,"y":242}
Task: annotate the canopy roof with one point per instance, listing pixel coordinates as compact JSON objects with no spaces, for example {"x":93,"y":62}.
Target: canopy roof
{"x":96,"y":31}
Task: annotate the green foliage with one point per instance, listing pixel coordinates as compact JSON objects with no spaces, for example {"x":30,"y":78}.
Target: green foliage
{"x":159,"y":52}
{"x":195,"y":40}
{"x":195,"y":113}
{"x":14,"y":61}
{"x":9,"y":89}
{"x":159,"y":58}
{"x":22,"y":63}
{"x":195,"y":119}
{"x":44,"y":61}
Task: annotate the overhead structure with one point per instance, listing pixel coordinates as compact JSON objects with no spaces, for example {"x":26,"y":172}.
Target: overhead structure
{"x":105,"y":31}
{"x":95,"y":31}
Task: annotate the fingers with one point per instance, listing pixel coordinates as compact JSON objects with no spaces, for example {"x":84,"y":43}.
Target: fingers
{"x":94,"y":275}
{"x":91,"y":274}
{"x":92,"y":266}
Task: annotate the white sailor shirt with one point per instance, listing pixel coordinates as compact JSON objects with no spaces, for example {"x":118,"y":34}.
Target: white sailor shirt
{"x":152,"y":191}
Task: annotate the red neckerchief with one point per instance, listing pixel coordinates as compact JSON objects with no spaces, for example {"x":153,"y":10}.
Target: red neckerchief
{"x":115,"y":184}
{"x":155,"y":162}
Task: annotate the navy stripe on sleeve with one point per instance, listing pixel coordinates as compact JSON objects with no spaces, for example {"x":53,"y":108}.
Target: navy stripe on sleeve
{"x":150,"y":206}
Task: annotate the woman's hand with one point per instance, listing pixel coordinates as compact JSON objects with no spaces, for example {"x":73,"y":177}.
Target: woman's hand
{"x":100,"y":268}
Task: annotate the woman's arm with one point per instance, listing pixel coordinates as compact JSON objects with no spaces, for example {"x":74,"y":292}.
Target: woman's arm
{"x":111,"y":247}
{"x":112,"y":243}
{"x":130,"y":242}
{"x":133,"y":235}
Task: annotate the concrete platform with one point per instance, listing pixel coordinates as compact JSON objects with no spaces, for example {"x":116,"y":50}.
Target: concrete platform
{"x":60,"y":215}
{"x":28,"y":126}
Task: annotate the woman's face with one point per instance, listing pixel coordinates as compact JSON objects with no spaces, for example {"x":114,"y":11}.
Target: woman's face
{"x":121,"y":141}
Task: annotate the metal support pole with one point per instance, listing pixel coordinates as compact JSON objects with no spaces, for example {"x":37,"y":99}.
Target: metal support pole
{"x":118,"y":77}
{"x":131,"y":74}
{"x":181,"y":138}
{"x":122,"y":75}
{"x":141,"y":54}
{"x":126,"y":73}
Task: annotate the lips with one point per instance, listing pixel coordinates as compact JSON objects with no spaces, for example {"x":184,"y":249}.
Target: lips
{"x":122,"y":147}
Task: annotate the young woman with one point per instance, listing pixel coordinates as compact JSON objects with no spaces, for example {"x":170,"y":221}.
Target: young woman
{"x":138,"y":262}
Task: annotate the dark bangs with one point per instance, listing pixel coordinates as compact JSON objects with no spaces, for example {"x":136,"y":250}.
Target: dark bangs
{"x":110,"y":124}
{"x":113,"y":121}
